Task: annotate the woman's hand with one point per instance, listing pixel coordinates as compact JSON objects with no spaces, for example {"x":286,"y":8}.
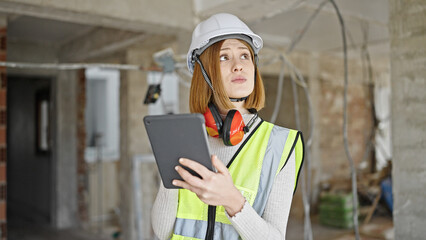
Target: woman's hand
{"x":214,"y":188}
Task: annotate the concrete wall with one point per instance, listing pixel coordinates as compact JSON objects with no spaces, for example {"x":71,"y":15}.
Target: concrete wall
{"x":408,"y":60}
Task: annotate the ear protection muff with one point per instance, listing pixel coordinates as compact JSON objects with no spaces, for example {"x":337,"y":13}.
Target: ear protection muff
{"x":213,"y":121}
{"x":231,"y":130}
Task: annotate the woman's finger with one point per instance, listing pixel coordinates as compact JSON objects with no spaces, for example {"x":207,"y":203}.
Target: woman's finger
{"x":221,"y":168}
{"x":188,"y":177}
{"x":197,"y":167}
{"x":182,"y":184}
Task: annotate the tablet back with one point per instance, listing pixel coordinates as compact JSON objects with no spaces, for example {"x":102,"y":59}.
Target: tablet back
{"x":176,"y":136}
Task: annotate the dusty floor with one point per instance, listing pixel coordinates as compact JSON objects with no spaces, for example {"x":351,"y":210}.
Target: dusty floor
{"x":378,"y":228}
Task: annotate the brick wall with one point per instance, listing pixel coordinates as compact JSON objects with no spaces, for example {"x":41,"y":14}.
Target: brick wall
{"x":81,"y":146}
{"x":3,"y":128}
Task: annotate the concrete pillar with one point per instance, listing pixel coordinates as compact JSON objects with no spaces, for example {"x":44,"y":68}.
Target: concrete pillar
{"x":408,"y":76}
{"x":134,"y":141}
{"x":65,"y":150}
{"x":126,"y":203}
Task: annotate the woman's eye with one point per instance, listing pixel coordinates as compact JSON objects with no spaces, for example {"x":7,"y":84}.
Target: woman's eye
{"x":223,"y":58}
{"x":245,"y":56}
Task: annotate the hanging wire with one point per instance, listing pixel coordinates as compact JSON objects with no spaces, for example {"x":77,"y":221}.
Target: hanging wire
{"x":305,"y":28}
{"x":305,"y":192}
{"x":306,"y":188}
{"x":303,"y":84}
{"x":345,"y":139}
{"x":307,"y":170}
{"x":345,"y":124}
{"x":279,"y":92}
{"x":297,"y":80}
{"x":368,"y":74}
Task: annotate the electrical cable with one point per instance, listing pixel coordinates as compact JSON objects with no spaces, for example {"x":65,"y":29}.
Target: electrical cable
{"x":298,"y":80}
{"x":345,"y":118}
{"x":307,"y":169}
{"x":276,"y":12}
{"x":308,"y":98}
{"x":279,"y":91}
{"x":345,"y":140}
{"x":305,"y":192}
{"x":365,"y":54}
{"x":305,"y":28}
{"x":275,"y":58}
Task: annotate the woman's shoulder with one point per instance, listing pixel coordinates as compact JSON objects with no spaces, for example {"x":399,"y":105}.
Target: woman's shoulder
{"x":278,"y":126}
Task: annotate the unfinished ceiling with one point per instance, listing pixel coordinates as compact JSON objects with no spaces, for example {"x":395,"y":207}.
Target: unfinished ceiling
{"x":277,"y":21}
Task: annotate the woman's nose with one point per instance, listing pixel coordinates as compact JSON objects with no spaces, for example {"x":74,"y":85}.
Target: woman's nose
{"x":237,"y":66}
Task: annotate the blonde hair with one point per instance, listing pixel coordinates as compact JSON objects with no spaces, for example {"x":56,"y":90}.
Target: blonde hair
{"x":200,"y":93}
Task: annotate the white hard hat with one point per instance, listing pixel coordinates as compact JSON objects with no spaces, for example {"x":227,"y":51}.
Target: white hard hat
{"x":219,"y":27}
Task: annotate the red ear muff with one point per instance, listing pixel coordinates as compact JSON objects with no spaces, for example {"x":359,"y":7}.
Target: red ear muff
{"x":213,"y":121}
{"x":233,"y":128}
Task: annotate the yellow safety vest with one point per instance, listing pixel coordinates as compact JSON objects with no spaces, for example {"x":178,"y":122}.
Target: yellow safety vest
{"x":253,"y":169}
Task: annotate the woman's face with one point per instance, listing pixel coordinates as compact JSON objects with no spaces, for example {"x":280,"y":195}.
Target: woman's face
{"x":237,"y":68}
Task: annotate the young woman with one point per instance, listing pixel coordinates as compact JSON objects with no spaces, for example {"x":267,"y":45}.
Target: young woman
{"x":257,"y":163}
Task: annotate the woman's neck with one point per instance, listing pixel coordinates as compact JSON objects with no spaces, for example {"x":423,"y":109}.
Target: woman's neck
{"x":238,"y":106}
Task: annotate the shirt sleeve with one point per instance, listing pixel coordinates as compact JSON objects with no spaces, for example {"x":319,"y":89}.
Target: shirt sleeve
{"x":163,"y":213}
{"x":272,"y":225}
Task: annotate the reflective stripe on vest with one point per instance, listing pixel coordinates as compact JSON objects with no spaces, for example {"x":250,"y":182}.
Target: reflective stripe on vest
{"x":253,"y":171}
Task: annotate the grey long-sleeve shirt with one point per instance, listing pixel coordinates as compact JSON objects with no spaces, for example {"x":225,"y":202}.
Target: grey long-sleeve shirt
{"x":270,"y":226}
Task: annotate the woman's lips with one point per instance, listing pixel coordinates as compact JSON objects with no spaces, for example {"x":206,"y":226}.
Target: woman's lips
{"x":239,"y":80}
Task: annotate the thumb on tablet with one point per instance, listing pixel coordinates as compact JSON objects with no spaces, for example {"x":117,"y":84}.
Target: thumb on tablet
{"x":218,"y":164}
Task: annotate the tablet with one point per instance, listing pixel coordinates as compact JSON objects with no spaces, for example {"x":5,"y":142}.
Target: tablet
{"x":176,"y":136}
